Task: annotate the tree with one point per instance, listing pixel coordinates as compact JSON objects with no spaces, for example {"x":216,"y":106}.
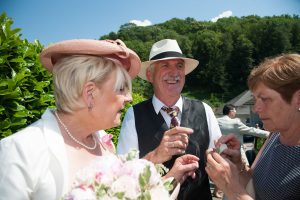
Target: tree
{"x":295,"y":37}
{"x":208,"y":49}
{"x":239,"y":64}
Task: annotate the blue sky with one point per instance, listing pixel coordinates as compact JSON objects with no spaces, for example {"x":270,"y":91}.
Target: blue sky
{"x":55,"y":20}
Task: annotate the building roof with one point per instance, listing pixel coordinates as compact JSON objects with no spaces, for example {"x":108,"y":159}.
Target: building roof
{"x":245,"y":98}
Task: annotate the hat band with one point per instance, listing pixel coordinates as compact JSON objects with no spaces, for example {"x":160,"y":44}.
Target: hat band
{"x":167,"y":54}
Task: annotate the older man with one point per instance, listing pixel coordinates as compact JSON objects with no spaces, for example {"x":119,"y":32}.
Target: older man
{"x":169,"y":125}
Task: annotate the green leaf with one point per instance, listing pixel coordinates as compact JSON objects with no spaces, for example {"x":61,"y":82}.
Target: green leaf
{"x":41,"y":85}
{"x":18,"y":121}
{"x":120,"y":195}
{"x":15,"y":106}
{"x":145,"y":196}
{"x":145,"y":177}
{"x":23,"y":114}
{"x":1,"y":109}
{"x":6,"y":133}
{"x":17,"y":60}
{"x":5,"y":124}
{"x":133,"y":154}
{"x":101,"y":190}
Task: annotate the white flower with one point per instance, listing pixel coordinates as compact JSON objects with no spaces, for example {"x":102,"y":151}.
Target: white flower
{"x":137,"y":166}
{"x":85,"y":177}
{"x":108,"y":197}
{"x":82,"y":194}
{"x":159,"y":193}
{"x":128,"y":185}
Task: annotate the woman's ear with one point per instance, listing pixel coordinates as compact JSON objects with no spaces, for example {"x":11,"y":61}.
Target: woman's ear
{"x":87,"y":94}
{"x":297,"y":96}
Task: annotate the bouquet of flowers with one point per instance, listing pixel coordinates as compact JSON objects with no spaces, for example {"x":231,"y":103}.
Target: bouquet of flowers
{"x":124,"y":177}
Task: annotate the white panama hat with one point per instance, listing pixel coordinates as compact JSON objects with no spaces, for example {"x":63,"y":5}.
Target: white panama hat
{"x":165,"y":50}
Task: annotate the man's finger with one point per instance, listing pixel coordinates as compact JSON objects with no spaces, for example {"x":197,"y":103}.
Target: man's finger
{"x":179,"y":129}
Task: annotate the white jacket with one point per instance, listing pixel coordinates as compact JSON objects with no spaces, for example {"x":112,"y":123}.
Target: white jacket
{"x":235,"y":126}
{"x":33,"y":162}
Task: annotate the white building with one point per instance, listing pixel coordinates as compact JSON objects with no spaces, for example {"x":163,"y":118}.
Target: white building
{"x":244,"y":103}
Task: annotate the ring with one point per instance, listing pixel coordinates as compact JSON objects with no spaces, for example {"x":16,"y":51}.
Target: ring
{"x":208,"y":166}
{"x":172,"y":144}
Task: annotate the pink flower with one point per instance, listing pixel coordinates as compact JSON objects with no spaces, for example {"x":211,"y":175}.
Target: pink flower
{"x":106,"y":140}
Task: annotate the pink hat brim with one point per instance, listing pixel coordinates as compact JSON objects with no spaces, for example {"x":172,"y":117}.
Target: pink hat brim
{"x":106,"y":48}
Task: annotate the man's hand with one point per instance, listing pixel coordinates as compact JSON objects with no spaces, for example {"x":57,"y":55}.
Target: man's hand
{"x":184,"y":167}
{"x":174,"y":142}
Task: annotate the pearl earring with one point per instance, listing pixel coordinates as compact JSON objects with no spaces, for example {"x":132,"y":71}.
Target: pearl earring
{"x":299,"y":109}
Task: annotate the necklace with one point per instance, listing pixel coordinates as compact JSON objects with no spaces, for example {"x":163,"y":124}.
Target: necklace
{"x":73,"y":138}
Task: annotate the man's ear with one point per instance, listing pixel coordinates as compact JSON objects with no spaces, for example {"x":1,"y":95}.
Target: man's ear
{"x":149,"y":75}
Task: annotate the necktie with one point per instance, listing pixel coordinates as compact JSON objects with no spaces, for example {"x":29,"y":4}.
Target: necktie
{"x":172,"y":112}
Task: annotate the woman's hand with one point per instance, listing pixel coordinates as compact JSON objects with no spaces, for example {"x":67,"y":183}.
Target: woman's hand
{"x":233,"y":150}
{"x":230,"y":140}
{"x":221,"y":170}
{"x":224,"y":174}
{"x":183,"y":167}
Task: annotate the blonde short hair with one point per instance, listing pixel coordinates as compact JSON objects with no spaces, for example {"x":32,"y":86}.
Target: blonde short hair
{"x":72,"y":72}
{"x":281,"y":73}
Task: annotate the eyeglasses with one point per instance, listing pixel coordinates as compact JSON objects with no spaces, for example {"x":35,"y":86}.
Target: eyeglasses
{"x":233,"y":110}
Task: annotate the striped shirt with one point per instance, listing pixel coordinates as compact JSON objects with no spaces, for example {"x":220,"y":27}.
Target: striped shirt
{"x":277,"y":173}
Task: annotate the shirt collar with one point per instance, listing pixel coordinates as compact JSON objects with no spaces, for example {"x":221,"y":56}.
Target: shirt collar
{"x":157,"y":104}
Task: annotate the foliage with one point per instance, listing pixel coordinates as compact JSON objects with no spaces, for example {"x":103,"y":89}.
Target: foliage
{"x":116,"y":130}
{"x":142,"y":87}
{"x":258,"y":144}
{"x":227,"y":49}
{"x":214,"y":100}
{"x":25,"y":87}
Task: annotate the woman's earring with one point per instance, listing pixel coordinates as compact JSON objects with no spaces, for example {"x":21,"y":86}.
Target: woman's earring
{"x":299,"y":109}
{"x":91,"y":105}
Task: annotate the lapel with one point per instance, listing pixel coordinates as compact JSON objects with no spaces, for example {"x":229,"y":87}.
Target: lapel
{"x":185,"y":112}
{"x":161,"y":128}
{"x":187,"y":121}
{"x":56,"y":146}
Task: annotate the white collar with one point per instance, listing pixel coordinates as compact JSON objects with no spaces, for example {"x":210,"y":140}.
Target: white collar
{"x":157,"y":104}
